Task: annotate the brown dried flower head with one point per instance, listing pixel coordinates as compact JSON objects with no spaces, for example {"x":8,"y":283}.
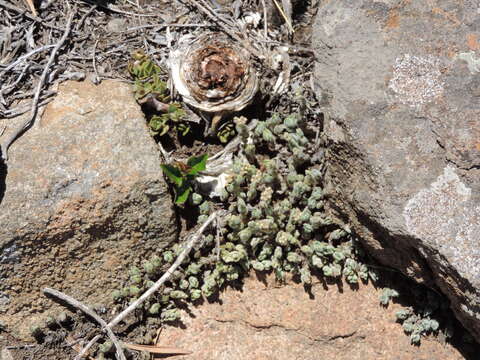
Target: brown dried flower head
{"x":213,"y":74}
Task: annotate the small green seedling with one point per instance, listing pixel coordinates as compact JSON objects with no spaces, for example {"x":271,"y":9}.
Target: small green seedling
{"x":226,"y":132}
{"x":142,"y":67}
{"x":148,"y":83}
{"x":160,"y":124}
{"x":182,"y":175}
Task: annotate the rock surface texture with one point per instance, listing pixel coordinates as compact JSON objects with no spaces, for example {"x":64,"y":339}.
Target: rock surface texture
{"x":400,"y":81}
{"x":85,"y":198}
{"x":270,"y":322}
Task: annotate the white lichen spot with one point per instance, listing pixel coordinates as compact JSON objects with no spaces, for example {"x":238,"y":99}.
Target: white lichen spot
{"x":334,"y":17}
{"x":9,"y":254}
{"x":335,"y":132}
{"x":445,"y":217}
{"x":472,"y":61}
{"x":416,"y":80}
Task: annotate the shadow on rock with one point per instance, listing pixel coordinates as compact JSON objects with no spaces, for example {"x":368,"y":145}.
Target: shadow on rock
{"x":3,"y":177}
{"x":426,"y":302}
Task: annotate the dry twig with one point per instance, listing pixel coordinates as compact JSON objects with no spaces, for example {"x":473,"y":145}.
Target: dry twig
{"x":285,"y":17}
{"x":186,"y":250}
{"x":26,"y":56}
{"x":94,"y":63}
{"x":265,"y":21}
{"x":83,"y":351}
{"x":12,"y":7}
{"x":34,"y":110}
{"x":31,"y":5}
{"x":77,"y":304}
{"x":222,"y":23}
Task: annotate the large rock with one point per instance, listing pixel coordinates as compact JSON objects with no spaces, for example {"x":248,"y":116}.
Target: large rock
{"x":84,"y":199}
{"x":271,"y":322}
{"x":401,"y":87}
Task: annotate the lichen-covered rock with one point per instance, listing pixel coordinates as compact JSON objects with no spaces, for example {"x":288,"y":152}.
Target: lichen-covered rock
{"x":400,"y":84}
{"x":84,"y":199}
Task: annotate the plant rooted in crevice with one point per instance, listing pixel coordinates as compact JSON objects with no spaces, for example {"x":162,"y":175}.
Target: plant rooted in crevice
{"x":151,"y":90}
{"x":182,"y":175}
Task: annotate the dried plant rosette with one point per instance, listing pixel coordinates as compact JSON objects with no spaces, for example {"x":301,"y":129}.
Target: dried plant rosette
{"x":213,"y":74}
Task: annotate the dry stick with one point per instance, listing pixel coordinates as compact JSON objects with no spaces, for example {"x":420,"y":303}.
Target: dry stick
{"x":234,"y":36}
{"x":94,"y":63}
{"x":19,"y":111}
{"x":31,"y":5}
{"x":165,"y":154}
{"x":186,"y":250}
{"x":87,"y":14}
{"x":77,"y":304}
{"x":92,"y":2}
{"x":285,"y":17}
{"x":92,"y":342}
{"x":220,"y":22}
{"x":214,"y":13}
{"x":265,"y":21}
{"x":27,"y":15}
{"x":161,"y":26}
{"x":9,"y":88}
{"x":6,"y":144}
{"x":26,"y":56}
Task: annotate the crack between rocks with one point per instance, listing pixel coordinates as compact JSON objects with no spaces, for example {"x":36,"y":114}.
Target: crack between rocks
{"x":450,"y":161}
{"x":271,"y":326}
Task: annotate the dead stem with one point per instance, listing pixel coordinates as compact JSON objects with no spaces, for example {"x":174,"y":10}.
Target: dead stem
{"x":77,"y":304}
{"x":194,"y":238}
{"x":34,"y":110}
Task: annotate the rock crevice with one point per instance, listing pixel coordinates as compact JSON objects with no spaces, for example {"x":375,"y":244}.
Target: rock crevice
{"x":401,"y":97}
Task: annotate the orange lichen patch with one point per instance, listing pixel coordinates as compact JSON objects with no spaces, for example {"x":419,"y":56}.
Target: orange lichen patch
{"x":478,"y":146}
{"x":451,"y":53}
{"x":393,"y":20}
{"x":472,"y":42}
{"x":446,"y":15}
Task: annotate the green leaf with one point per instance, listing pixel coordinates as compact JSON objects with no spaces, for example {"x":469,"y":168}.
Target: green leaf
{"x":174,"y":174}
{"x":182,"y":194}
{"x":164,"y":130}
{"x":183,"y":128}
{"x":177,"y":115}
{"x":159,"y":124}
{"x":172,"y":108}
{"x":197,"y":164}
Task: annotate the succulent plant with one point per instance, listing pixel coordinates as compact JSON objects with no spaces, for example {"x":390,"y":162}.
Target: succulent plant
{"x":150,"y":88}
{"x":275,"y":223}
{"x":386,"y":295}
{"x":183,"y":175}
